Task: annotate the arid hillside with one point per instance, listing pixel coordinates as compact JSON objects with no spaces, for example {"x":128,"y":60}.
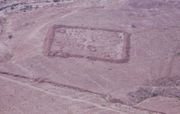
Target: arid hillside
{"x":89,"y":57}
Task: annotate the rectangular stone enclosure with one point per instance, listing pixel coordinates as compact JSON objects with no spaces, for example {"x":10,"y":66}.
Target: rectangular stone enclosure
{"x":101,"y":44}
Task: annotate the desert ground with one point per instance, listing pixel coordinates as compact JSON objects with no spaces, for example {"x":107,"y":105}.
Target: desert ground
{"x":89,"y":57}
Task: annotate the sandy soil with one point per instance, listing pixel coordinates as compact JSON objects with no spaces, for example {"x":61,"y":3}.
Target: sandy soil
{"x":90,"y":57}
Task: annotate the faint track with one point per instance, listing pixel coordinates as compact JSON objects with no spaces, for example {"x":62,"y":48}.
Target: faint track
{"x":40,"y":80}
{"x":33,"y":33}
{"x":109,"y":104}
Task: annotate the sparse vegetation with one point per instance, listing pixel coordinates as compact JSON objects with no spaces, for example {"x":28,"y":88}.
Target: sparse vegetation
{"x":56,"y":0}
{"x":10,"y":36}
{"x":178,"y":53}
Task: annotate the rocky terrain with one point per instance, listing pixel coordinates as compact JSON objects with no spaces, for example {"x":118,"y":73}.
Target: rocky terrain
{"x":89,"y":56}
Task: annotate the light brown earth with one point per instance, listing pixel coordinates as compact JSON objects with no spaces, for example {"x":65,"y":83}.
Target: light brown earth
{"x":90,"y":57}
